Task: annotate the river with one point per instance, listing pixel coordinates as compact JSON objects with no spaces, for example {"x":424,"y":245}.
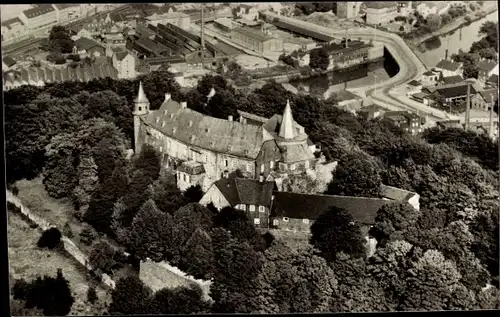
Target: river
{"x":436,"y":47}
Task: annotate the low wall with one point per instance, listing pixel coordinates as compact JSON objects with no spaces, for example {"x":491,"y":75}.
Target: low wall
{"x":68,"y":245}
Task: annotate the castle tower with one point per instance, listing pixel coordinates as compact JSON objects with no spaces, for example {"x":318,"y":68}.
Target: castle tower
{"x":141,"y":109}
{"x":286,"y":128}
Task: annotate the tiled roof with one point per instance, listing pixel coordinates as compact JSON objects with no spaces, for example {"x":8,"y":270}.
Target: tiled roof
{"x":304,"y":206}
{"x":246,"y":191}
{"x":164,"y":59}
{"x":257,"y":35}
{"x":429,"y":73}
{"x":254,"y":192}
{"x":414,"y":83}
{"x":9,"y":22}
{"x":489,"y":94}
{"x":395,"y":193}
{"x":9,"y":61}
{"x":303,"y":31}
{"x":85,"y":44}
{"x":41,"y":9}
{"x":121,"y":55}
{"x":225,"y":22}
{"x":62,"y":6}
{"x":448,"y":65}
{"x":493,"y":79}
{"x":274,"y":123}
{"x":452,"y":79}
{"x":210,"y":133}
{"x":486,"y":65}
{"x":457,"y":90}
{"x":292,"y":153}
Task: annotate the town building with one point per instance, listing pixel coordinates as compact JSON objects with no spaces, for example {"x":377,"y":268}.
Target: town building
{"x":213,"y":146}
{"x":380,"y":12}
{"x":413,"y":87}
{"x":449,"y":68}
{"x":405,"y":8}
{"x":347,"y":54}
{"x":67,"y":12}
{"x":371,"y":112}
{"x":425,"y":8}
{"x":113,"y":36}
{"x":431,"y":77}
{"x":256,"y":40}
{"x":42,"y":16}
{"x":486,"y":69}
{"x":247,"y":12}
{"x":451,"y":80}
{"x":224,"y":24}
{"x":253,"y":196}
{"x":124,"y":62}
{"x":406,"y":120}
{"x":7,"y":63}
{"x":348,"y":10}
{"x":87,"y":47}
{"x":484,"y":99}
{"x":179,"y":19}
{"x":13,"y":29}
{"x":453,"y":93}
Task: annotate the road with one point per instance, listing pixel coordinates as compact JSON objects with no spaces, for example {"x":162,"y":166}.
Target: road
{"x":387,"y":94}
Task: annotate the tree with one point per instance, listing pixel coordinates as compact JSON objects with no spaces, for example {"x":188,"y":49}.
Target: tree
{"x":335,"y":231}
{"x":156,"y":84}
{"x":294,"y":282}
{"x":87,"y":182}
{"x":59,"y":40}
{"x":319,"y":58}
{"x":51,"y":238}
{"x":180,"y":300}
{"x":393,"y":217}
{"x":149,"y":162}
{"x":130,"y":296}
{"x":193,"y":194}
{"x":150,"y":235}
{"x":88,"y":234}
{"x":197,"y":255}
{"x":237,"y":222}
{"x":167,"y":196}
{"x":51,"y":295}
{"x":356,"y":176}
{"x":102,"y":257}
{"x":433,"y":21}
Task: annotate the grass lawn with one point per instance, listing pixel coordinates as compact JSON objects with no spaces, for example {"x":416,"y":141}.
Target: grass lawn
{"x":295,"y":240}
{"x":27,"y":261}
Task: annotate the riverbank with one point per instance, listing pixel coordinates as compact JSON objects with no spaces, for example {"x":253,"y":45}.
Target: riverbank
{"x":417,"y":43}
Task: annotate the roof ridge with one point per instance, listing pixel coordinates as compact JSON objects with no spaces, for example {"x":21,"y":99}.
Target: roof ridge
{"x":336,"y":196}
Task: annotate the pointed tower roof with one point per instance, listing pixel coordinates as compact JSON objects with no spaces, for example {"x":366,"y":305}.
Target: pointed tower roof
{"x":141,"y":96}
{"x":286,"y":128}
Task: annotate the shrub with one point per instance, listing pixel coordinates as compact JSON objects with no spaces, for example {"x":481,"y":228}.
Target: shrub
{"x":21,"y":289}
{"x":50,"y":238}
{"x":102,"y":257}
{"x":92,"y":295}
{"x":67,"y":231}
{"x":88,"y":235}
{"x":74,"y":57}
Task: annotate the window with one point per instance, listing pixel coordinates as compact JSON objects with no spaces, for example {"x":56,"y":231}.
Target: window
{"x":161,"y":148}
{"x":226,"y":162}
{"x":276,"y":222}
{"x":184,"y":177}
{"x":306,"y":164}
{"x":249,"y":167}
{"x":262,"y":209}
{"x":285,"y":219}
{"x":187,"y":178}
{"x":243,"y":207}
{"x":256,"y":221}
{"x":292,"y":167}
{"x":262,"y":168}
{"x":252,"y":208}
{"x":306,"y":221}
{"x":271,"y":164}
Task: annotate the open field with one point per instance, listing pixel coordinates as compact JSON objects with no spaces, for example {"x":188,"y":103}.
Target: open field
{"x":27,"y":261}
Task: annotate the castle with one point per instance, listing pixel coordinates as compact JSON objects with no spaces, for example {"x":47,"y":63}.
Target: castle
{"x":201,"y":148}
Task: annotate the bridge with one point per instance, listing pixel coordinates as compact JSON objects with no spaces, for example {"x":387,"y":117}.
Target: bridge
{"x":386,"y":94}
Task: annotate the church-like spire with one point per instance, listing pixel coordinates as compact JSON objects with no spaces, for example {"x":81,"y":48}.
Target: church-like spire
{"x":286,"y":128}
{"x":141,"y":101}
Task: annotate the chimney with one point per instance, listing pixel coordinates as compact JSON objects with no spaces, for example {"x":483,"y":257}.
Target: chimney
{"x":230,"y":118}
{"x":467,"y":111}
{"x":167,"y":97}
{"x":446,"y":54}
{"x":261,"y":178}
{"x":184,"y":104}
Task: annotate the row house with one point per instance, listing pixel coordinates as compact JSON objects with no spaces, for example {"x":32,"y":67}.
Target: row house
{"x":40,"y":76}
{"x":44,"y":16}
{"x":13,"y":30}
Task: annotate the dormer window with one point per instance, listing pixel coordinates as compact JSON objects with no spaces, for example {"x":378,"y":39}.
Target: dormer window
{"x":140,"y":108}
{"x":207,"y":130}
